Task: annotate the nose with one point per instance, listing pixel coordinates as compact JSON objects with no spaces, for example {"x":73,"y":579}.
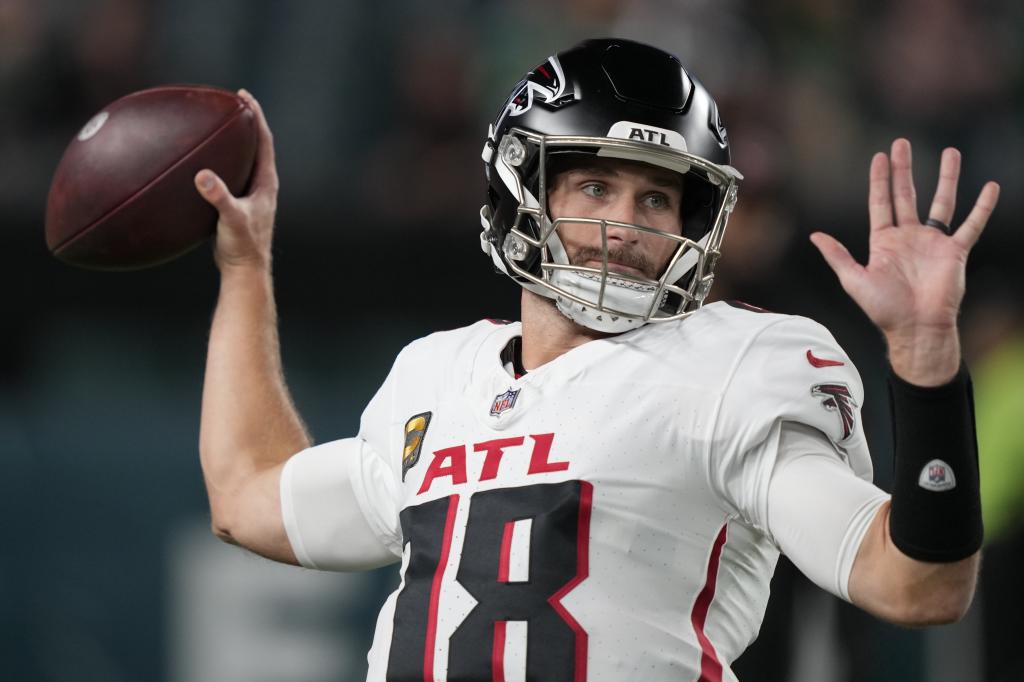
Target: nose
{"x":623,"y":210}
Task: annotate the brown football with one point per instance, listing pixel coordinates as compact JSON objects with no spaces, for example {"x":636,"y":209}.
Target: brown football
{"x":123,"y":195}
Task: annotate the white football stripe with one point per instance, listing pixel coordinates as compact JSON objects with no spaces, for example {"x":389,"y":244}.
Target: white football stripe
{"x":515,"y":651}
{"x":519,"y":552}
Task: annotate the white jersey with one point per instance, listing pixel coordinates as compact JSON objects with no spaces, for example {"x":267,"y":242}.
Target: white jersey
{"x":603,"y":517}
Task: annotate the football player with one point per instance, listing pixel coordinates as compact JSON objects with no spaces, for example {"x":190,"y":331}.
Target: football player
{"x":602,"y":490}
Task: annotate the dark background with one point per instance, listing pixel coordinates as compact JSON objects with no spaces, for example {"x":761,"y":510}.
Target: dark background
{"x":107,"y":571}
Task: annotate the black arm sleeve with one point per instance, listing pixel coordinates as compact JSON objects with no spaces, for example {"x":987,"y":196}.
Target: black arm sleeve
{"x":936,"y":503}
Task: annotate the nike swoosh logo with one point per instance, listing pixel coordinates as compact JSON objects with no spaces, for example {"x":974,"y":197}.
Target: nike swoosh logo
{"x":820,"y":362}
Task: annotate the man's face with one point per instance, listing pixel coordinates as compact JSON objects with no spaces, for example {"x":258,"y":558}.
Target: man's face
{"x":625,"y":192}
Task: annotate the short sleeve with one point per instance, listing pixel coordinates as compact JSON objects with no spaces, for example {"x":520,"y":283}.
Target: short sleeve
{"x":338,"y":501}
{"x":341,"y":500}
{"x":791,"y":371}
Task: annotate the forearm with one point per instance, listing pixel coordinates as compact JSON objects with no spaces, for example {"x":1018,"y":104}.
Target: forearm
{"x":897,"y":588}
{"x":918,"y":563}
{"x":248,"y":420}
{"x":844,"y":543}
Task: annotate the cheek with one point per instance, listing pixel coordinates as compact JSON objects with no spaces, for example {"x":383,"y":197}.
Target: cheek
{"x":572,"y":235}
{"x":660,"y":249}
{"x":575,"y":235}
{"x":560,"y":205}
{"x":664,"y":250}
{"x":670,"y":224}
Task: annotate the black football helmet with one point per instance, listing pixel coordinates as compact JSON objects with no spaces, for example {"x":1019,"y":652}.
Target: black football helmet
{"x":609,"y":98}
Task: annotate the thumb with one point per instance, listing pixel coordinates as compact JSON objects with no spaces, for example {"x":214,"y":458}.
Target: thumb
{"x":838,"y":258}
{"x":213,"y":189}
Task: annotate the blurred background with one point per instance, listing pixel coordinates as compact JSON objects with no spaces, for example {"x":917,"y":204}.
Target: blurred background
{"x":107,"y":567}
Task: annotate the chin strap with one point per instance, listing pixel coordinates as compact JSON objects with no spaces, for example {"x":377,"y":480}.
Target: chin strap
{"x":621,"y":295}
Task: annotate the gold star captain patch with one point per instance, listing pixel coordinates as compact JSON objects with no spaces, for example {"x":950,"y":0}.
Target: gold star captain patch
{"x":415,"y":431}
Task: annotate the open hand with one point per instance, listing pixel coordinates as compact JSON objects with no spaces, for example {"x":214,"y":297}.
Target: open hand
{"x":913,"y":282}
{"x":246,"y":224}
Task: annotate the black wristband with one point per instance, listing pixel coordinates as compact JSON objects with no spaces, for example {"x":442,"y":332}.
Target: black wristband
{"x":936,"y":504}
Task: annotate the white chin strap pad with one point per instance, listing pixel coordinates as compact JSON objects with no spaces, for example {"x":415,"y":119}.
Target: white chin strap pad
{"x":621,"y":295}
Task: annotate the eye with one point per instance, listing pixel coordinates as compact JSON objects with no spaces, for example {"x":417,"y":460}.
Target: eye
{"x":594,"y":189}
{"x":657,"y":201}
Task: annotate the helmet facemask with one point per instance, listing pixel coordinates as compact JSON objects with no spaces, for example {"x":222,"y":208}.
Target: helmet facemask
{"x":596,"y":297}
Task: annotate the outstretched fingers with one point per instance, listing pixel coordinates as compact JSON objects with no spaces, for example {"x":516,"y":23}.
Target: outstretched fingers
{"x":848,"y":270}
{"x":904,"y":194}
{"x":969,"y":232}
{"x":879,"y":193}
{"x":944,"y":202}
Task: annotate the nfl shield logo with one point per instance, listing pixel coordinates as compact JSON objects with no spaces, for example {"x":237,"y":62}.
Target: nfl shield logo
{"x":505,"y":401}
{"x":937,"y":476}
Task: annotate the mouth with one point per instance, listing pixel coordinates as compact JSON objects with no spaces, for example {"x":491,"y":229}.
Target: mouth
{"x":618,"y":268}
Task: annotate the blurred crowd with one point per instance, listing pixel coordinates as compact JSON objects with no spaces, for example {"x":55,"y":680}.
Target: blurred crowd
{"x":370,"y":96}
{"x":379,"y":112}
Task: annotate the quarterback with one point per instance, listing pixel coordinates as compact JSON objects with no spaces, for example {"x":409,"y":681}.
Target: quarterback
{"x":601,"y":490}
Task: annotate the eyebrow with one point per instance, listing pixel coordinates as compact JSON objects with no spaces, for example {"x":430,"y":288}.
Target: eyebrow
{"x":667,"y":179}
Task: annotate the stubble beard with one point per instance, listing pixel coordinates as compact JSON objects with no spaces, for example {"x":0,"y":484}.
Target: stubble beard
{"x":623,"y":256}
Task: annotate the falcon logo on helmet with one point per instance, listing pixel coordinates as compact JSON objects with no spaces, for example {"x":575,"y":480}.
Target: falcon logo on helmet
{"x":588,"y":101}
{"x":545,"y":82}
